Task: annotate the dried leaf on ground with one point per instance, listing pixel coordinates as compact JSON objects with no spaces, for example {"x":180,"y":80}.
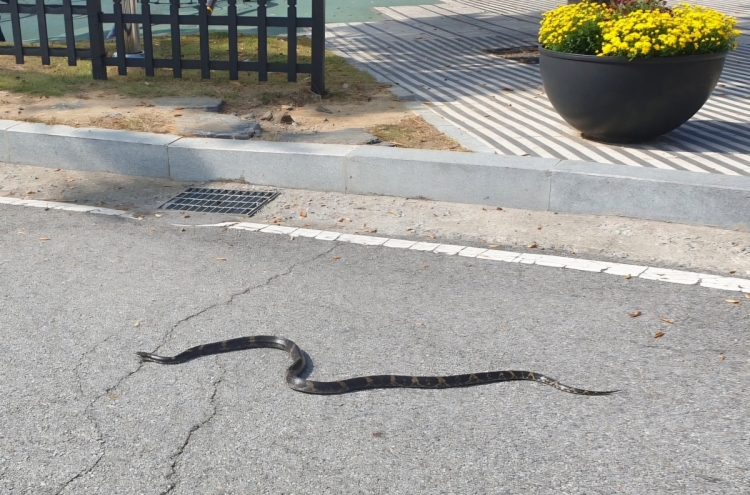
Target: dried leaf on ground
{"x":303,"y":214}
{"x":658,"y":334}
{"x":747,"y":296}
{"x":628,"y":276}
{"x":721,"y":356}
{"x":667,"y":320}
{"x":221,"y":259}
{"x":532,"y":245}
{"x":137,"y":324}
{"x":337,"y":257}
{"x":45,"y":239}
{"x":494,"y":246}
{"x":732,"y":301}
{"x":636,"y":314}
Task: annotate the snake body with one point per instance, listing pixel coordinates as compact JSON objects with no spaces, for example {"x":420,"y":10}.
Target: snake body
{"x":361,"y":383}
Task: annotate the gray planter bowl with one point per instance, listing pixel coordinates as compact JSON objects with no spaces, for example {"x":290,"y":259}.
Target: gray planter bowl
{"x":613,"y":99}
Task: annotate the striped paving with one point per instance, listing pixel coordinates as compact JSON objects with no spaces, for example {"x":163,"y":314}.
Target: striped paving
{"x":437,"y":52}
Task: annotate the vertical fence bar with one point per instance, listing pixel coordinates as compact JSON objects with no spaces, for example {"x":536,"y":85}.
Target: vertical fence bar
{"x":70,"y":35}
{"x":174,"y":17}
{"x":148,"y":41}
{"x":318,"y":76}
{"x":262,"y":42}
{"x":96,"y":39}
{"x":291,"y":19}
{"x":203,"y":41}
{"x":234,"y":56}
{"x":122,"y":68}
{"x":41,"y":21}
{"x":15,"y":21}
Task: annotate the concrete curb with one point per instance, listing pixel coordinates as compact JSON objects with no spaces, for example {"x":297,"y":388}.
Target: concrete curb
{"x":480,"y":178}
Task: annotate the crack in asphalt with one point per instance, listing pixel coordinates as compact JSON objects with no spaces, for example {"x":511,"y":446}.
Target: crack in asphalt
{"x":89,"y":416}
{"x":168,"y":334}
{"x":173,"y":474}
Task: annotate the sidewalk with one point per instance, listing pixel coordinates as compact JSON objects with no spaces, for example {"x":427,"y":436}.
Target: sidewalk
{"x":435,"y":54}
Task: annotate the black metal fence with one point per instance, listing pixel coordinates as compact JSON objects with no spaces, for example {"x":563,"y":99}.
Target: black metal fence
{"x":100,"y":60}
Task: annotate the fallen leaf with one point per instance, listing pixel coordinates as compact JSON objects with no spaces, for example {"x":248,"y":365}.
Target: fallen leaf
{"x":221,"y":259}
{"x":45,"y":239}
{"x":179,"y":108}
{"x":721,"y":356}
{"x":186,"y":216}
{"x":658,"y":334}
{"x":636,"y":314}
{"x":178,"y":115}
{"x":31,"y":192}
{"x":628,"y":276}
{"x":431,"y":236}
{"x":137,"y":324}
{"x":303,"y":214}
{"x":337,"y":257}
{"x":277,"y":220}
{"x":391,"y":212}
{"x":235,"y":83}
{"x":182,"y":230}
{"x":747,"y":296}
{"x":732,"y":271}
{"x":157,"y":215}
{"x":539,"y":228}
{"x":484,"y":209}
{"x":532,"y":245}
{"x":410,"y":229}
{"x":341,"y":219}
{"x":667,"y":320}
{"x":494,"y":246}
{"x":499,"y":209}
{"x":732,"y":301}
{"x":57,"y":169}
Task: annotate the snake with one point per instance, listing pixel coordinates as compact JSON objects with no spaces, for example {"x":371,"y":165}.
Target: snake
{"x":295,"y":382}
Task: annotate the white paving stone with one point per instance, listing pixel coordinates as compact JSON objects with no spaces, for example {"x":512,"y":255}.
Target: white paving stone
{"x":471,"y":252}
{"x":424,"y":246}
{"x":399,"y":243}
{"x":674,"y":276}
{"x":496,"y":255}
{"x":553,"y":261}
{"x":278,"y":229}
{"x":448,"y":249}
{"x":252,"y":227}
{"x":587,"y":265}
{"x":625,"y":270}
{"x":364,"y":240}
{"x":327,"y":236}
{"x":307,"y":232}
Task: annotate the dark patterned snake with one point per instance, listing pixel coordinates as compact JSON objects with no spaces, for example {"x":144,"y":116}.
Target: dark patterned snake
{"x":361,"y":383}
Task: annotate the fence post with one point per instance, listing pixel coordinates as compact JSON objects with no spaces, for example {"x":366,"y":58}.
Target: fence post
{"x":96,"y":39}
{"x":318,"y":77}
{"x":291,"y":19}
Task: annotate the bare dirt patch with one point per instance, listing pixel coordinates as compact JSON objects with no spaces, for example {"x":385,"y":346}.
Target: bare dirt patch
{"x":59,"y":94}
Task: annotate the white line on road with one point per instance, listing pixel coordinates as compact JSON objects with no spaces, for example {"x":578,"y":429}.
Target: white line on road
{"x":618,"y":269}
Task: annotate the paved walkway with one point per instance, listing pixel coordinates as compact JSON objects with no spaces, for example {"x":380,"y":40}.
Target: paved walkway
{"x":437,"y":52}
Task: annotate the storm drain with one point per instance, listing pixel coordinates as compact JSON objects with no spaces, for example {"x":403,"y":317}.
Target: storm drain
{"x":220,"y":201}
{"x":522,"y":54}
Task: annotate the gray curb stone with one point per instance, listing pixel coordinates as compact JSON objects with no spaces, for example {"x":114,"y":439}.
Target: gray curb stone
{"x":479,"y":178}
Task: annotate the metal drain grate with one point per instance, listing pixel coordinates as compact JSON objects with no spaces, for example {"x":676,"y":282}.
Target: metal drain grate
{"x":522,"y":54}
{"x":220,"y":201}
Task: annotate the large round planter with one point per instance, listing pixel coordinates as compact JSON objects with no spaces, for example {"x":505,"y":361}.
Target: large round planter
{"x":617,"y":100}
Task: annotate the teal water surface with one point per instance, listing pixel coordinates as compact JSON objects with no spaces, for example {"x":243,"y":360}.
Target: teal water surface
{"x":336,"y":11}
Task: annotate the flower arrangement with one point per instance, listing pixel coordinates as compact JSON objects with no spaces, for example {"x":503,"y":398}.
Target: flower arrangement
{"x":637,"y":29}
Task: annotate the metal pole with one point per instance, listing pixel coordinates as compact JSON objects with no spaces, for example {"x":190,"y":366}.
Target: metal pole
{"x":132,"y":36}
